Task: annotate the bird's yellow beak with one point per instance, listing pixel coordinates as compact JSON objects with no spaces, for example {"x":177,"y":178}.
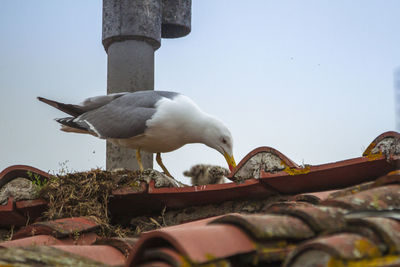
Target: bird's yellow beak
{"x":230,"y":160}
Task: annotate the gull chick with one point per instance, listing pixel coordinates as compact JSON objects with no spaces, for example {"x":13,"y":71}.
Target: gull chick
{"x":203,"y":174}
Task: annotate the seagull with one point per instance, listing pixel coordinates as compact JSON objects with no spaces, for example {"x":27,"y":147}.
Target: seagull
{"x":152,"y":121}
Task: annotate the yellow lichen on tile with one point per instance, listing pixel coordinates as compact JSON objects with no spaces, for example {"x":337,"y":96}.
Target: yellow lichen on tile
{"x":369,"y":149}
{"x":368,"y":152}
{"x":374,"y":156}
{"x":363,"y":246}
{"x":381,"y":261}
{"x":296,"y":171}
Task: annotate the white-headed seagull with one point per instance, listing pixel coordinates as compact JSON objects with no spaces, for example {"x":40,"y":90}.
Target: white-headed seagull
{"x":152,"y":121}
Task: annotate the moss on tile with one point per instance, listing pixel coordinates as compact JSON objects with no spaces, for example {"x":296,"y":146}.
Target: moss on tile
{"x":389,"y":260}
{"x":43,"y":256}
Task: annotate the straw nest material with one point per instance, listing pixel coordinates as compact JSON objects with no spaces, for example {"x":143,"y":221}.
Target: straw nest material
{"x":86,"y":194}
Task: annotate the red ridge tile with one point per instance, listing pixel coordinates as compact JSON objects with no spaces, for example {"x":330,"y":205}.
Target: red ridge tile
{"x":158,"y":198}
{"x":179,"y":197}
{"x":263,"y":149}
{"x":31,"y":209}
{"x":15,"y":171}
{"x":377,"y":140}
{"x":9,"y":214}
{"x":329,"y":176}
{"x":292,"y":179}
{"x":22,"y":210}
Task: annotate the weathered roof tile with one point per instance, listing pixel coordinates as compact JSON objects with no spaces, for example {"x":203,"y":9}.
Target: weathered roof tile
{"x":347,"y":246}
{"x":378,"y":198}
{"x":104,"y":254}
{"x":124,"y":245}
{"x":264,"y":227}
{"x":198,"y":244}
{"x":358,"y":225}
{"x":39,"y":240}
{"x":58,"y":228}
{"x":319,"y":218}
{"x":387,"y":229}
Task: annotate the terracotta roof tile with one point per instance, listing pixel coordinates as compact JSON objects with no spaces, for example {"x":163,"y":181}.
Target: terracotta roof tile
{"x":319,"y":218}
{"x":378,"y":198}
{"x":347,"y":246}
{"x":279,"y":173}
{"x":262,"y":227}
{"x":166,"y":255}
{"x":15,"y":171}
{"x":281,"y":205}
{"x":294,"y":228}
{"x":359,"y":224}
{"x":104,"y":254}
{"x":18,"y":213}
{"x":198,"y":244}
{"x":124,"y":245}
{"x":387,"y":229}
{"x":156,"y":264}
{"x":9,"y":215}
{"x":39,"y":240}
{"x":58,"y":228}
{"x":44,"y":256}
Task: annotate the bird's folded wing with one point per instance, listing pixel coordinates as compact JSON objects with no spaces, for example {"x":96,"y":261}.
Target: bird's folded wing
{"x":124,"y":117}
{"x":111,"y":121}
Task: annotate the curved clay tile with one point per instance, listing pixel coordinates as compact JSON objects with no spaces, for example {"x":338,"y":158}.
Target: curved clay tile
{"x":325,"y":250}
{"x":58,"y":228}
{"x":104,"y":254}
{"x":197,"y":243}
{"x":39,"y":240}
{"x":263,"y":227}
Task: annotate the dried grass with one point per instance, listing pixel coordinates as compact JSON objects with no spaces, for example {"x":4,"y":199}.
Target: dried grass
{"x":86,"y":194}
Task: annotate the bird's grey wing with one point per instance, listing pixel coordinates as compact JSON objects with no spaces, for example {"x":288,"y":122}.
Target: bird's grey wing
{"x":124,"y":117}
{"x":92,"y":103}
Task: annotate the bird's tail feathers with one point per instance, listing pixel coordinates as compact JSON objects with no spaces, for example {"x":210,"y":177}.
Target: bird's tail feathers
{"x":70,"y":109}
{"x":69,"y":122}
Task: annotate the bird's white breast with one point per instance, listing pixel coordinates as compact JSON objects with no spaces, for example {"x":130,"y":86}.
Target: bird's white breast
{"x":176,"y":122}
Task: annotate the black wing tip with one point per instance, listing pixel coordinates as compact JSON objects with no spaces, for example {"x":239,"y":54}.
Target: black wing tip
{"x":45,"y":100}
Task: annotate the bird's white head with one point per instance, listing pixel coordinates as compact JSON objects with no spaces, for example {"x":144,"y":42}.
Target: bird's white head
{"x":217,"y":136}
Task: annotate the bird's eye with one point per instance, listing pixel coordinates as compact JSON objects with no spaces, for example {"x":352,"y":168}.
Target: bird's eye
{"x":224,"y":140}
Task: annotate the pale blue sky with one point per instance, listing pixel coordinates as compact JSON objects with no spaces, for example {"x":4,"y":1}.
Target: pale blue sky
{"x":313,"y":79}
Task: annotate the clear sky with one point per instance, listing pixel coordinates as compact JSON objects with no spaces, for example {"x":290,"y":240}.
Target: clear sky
{"x":313,"y":79}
